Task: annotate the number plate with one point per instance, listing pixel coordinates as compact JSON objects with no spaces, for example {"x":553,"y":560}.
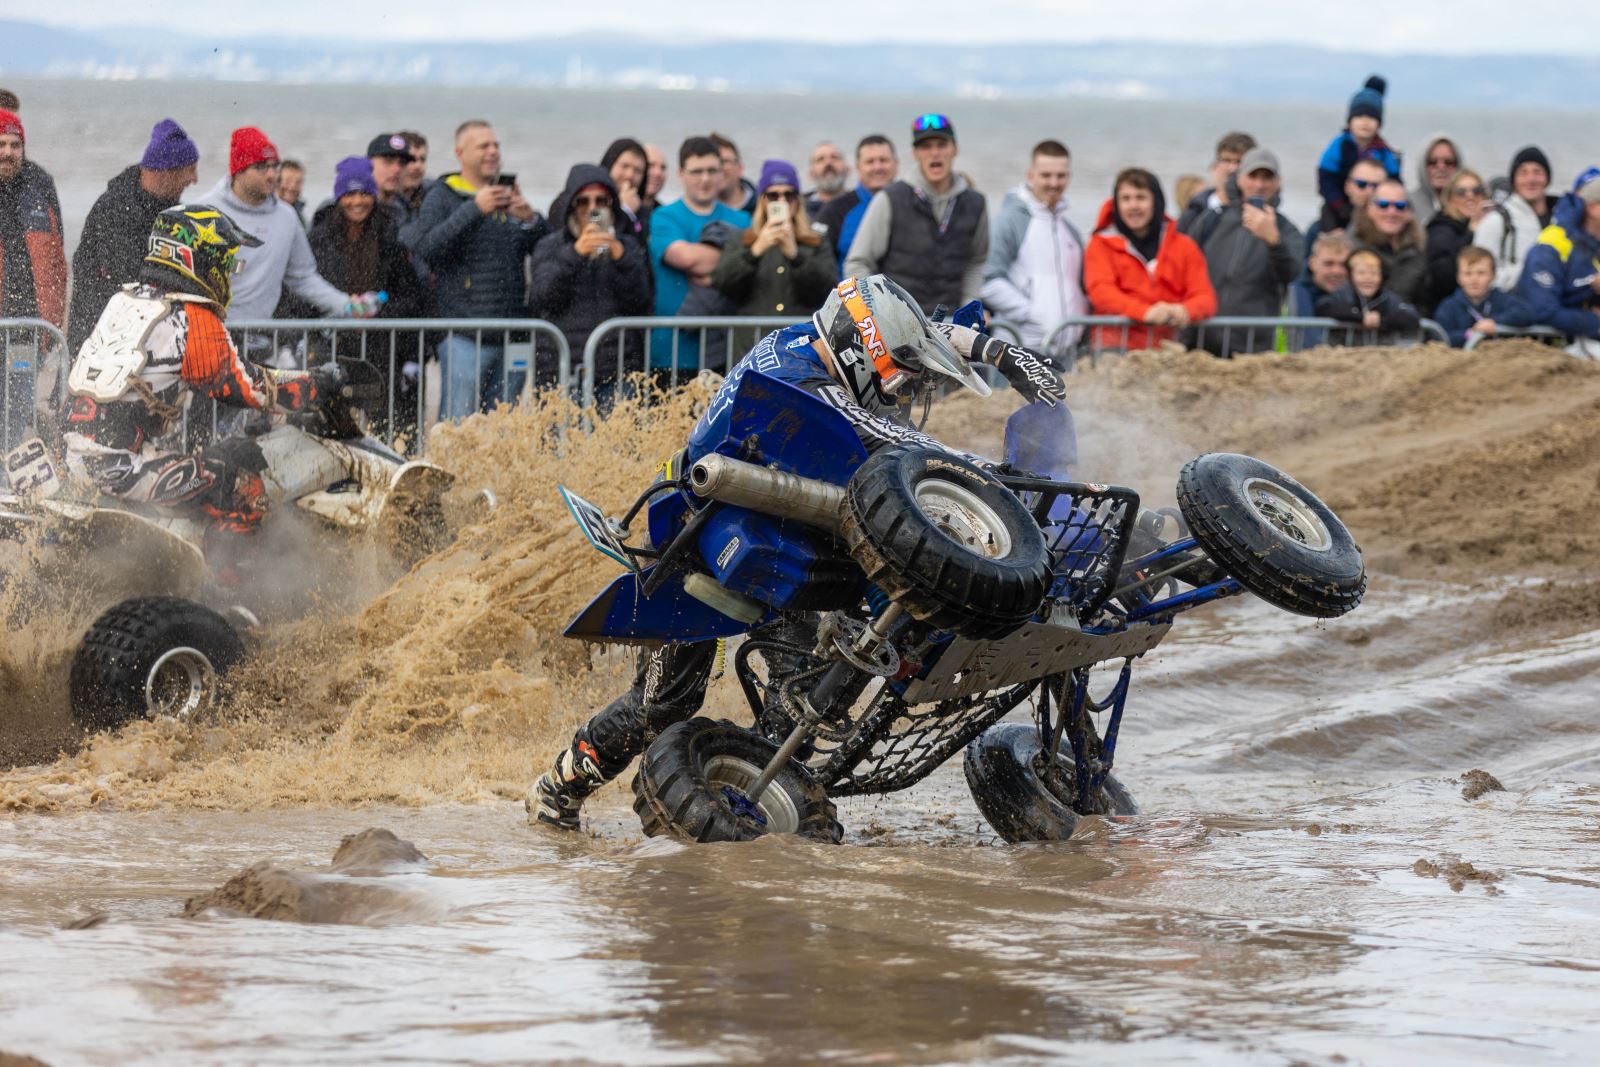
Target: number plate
{"x":592,"y":521}
{"x":29,"y":470}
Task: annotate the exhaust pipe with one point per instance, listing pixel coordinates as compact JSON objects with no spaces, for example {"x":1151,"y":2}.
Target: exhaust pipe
{"x":771,"y":492}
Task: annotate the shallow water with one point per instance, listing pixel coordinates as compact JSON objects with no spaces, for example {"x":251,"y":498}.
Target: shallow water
{"x":1298,"y":891}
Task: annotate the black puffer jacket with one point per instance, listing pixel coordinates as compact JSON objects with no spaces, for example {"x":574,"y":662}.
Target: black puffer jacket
{"x":116,"y":236}
{"x":578,"y":293}
{"x":477,"y":259}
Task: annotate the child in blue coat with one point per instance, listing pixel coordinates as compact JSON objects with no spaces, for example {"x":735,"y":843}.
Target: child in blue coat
{"x":1358,"y":140}
{"x":1478,"y":307}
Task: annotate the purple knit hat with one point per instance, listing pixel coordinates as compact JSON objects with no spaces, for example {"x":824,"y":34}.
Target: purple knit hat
{"x":354,"y":175}
{"x":169,"y":148}
{"x":777,"y":172}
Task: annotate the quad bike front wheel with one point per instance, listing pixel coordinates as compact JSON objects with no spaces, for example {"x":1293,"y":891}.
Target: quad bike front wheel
{"x":1272,"y":534}
{"x":150,"y":657}
{"x":1022,"y":798}
{"x":691,"y":785}
{"x":947,"y":541}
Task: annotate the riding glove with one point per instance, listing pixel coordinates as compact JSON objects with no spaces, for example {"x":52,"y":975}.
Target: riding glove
{"x":1030,"y":373}
{"x":1033,"y":374}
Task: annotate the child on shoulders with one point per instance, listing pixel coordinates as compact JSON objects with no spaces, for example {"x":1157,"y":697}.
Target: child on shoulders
{"x":1359,"y":139}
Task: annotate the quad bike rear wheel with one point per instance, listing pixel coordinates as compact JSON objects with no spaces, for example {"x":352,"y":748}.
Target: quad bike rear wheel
{"x":947,"y":541}
{"x":1021,"y":798}
{"x":691,"y":781}
{"x":150,"y":657}
{"x":1272,"y":534}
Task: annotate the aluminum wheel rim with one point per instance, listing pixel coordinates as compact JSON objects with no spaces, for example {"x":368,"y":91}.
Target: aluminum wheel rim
{"x":964,"y":517}
{"x":1288,"y":514}
{"x":776,"y":806}
{"x":179,"y":683}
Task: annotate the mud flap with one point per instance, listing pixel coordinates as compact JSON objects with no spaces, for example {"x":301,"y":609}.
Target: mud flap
{"x":117,"y":554}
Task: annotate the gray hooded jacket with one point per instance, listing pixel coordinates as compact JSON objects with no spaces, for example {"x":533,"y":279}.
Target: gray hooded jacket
{"x":1424,"y":201}
{"x":284,"y":259}
{"x":1249,"y":275}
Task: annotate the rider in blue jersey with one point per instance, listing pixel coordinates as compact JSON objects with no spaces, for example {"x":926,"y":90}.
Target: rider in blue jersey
{"x":864,"y":353}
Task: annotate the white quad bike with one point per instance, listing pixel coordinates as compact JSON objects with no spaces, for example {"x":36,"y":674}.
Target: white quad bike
{"x":168,"y":632}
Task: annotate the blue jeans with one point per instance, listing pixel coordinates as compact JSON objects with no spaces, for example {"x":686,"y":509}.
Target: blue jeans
{"x":471,"y":376}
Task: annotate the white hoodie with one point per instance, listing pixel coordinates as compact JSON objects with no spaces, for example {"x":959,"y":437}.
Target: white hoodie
{"x":1510,"y":249}
{"x":1034,"y":274}
{"x":284,"y":258}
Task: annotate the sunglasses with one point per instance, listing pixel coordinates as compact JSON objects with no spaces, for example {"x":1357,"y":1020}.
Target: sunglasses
{"x":593,"y":201}
{"x":1469,"y":190}
{"x":1362,"y":183}
{"x":1391,"y":205}
{"x":772,"y":194}
{"x":928,"y":122}
{"x":1441,"y":161}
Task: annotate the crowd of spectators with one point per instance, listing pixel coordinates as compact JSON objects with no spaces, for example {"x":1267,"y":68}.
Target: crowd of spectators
{"x":1480,"y":252}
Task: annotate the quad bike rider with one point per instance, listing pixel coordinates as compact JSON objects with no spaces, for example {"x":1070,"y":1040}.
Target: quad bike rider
{"x":868,"y":352}
{"x":159,"y":340}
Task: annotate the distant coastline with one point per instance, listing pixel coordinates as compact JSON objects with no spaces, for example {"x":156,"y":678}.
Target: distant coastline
{"x":1111,"y":70}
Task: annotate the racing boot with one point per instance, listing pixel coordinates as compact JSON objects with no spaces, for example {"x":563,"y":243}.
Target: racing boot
{"x":560,"y":792}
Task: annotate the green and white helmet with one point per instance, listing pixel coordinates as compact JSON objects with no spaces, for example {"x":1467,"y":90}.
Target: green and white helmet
{"x":882,"y":342}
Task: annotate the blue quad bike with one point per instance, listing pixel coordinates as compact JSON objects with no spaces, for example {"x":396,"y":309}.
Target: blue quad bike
{"x":895,"y":609}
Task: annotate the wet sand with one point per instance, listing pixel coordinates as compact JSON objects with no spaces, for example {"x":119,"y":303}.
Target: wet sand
{"x":1319,"y":872}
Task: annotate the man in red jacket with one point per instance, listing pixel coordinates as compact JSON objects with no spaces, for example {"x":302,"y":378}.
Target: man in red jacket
{"x":1138,"y":265}
{"x":33,"y":273}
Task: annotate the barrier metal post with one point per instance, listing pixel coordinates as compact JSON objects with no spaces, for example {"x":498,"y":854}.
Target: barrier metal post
{"x":678,"y":324}
{"x":1546,"y":333}
{"x":24,"y":362}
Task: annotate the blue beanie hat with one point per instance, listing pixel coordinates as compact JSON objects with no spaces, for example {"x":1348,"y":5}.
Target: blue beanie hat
{"x":354,"y":175}
{"x":777,"y":172}
{"x":169,"y":148}
{"x":1369,"y":100}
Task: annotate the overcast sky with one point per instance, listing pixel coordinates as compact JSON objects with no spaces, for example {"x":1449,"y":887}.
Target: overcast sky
{"x":1441,"y":26}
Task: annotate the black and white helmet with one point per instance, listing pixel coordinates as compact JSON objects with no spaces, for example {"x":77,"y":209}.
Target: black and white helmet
{"x":882,"y":342}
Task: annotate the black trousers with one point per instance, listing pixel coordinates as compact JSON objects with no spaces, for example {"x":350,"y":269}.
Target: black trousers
{"x":669,"y":686}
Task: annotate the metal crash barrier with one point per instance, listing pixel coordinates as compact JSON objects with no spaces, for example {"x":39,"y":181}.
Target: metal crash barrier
{"x":483,"y":361}
{"x":1230,"y":335}
{"x":480,"y":363}
{"x":673,"y":348}
{"x":33,"y":355}
{"x":1537,"y":333}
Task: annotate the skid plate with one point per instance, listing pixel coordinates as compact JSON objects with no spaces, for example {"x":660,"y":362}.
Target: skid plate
{"x":1038,"y":649}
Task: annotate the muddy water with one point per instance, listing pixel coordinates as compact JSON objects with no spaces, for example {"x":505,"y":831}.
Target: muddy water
{"x":1319,"y":878}
{"x":1309,"y":883}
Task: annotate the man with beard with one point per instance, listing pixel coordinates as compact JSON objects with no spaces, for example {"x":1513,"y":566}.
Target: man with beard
{"x":117,"y":232}
{"x":33,"y":270}
{"x":876,"y":167}
{"x":33,"y":263}
{"x":829,"y":176}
